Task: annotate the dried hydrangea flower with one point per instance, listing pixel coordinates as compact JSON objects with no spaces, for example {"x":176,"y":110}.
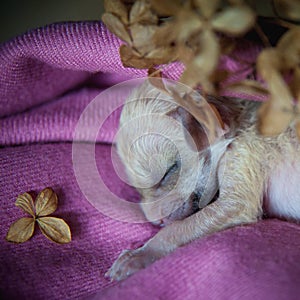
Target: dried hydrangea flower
{"x":55,"y":229}
{"x":279,"y":67}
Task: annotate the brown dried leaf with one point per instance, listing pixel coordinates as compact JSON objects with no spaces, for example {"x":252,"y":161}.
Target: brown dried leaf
{"x":249,"y":87}
{"x":118,"y":8}
{"x":21,"y":230}
{"x":167,"y":7}
{"x":115,"y":25}
{"x":55,"y":229}
{"x":235,"y":20}
{"x":273,"y":120}
{"x":25,"y":202}
{"x":46,"y":202}
{"x":207,"y":8}
{"x":141,"y":13}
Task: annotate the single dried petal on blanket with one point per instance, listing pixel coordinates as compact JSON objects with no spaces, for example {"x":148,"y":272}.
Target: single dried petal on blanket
{"x":55,"y":229}
{"x":141,"y":13}
{"x":117,"y":7}
{"x":207,"y":8}
{"x":167,"y":7}
{"x":235,"y":20}
{"x":25,"y":202}
{"x":46,"y":202}
{"x":273,"y":120}
{"x":21,"y":230}
{"x":115,"y":25}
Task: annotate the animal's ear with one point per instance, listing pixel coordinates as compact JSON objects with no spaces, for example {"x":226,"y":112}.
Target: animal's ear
{"x":197,"y":136}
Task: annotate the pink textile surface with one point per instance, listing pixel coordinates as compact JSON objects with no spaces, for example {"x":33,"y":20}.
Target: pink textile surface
{"x":47,"y":78}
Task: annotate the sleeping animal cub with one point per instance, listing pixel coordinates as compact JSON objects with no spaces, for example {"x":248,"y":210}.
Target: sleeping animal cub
{"x":192,"y":189}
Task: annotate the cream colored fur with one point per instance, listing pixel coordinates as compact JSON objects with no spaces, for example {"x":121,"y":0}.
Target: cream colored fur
{"x":243,"y":166}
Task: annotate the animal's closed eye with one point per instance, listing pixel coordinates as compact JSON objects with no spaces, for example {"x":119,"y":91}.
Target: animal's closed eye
{"x":169,"y":173}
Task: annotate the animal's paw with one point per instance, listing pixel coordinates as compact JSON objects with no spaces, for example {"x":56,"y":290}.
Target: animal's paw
{"x":129,"y":262}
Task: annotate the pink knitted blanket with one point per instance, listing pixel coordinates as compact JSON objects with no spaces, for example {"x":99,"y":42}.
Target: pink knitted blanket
{"x":47,"y":78}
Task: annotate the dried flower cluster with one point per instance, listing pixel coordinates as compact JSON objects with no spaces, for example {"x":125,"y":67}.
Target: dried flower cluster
{"x":198,"y":32}
{"x":53,"y":228}
{"x":280,"y":68}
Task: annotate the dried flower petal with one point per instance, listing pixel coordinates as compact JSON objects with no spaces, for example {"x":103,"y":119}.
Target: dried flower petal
{"x":118,"y":8}
{"x":55,"y":229}
{"x":203,"y":65}
{"x":142,"y":35}
{"x":208,"y":58}
{"x":46,"y":202}
{"x":289,"y":47}
{"x":207,"y":8}
{"x":187,"y":23}
{"x":141,"y":12}
{"x":167,"y":7}
{"x":115,"y":25}
{"x":287,"y":9}
{"x":131,"y":58}
{"x":273,"y":120}
{"x":249,"y":87}
{"x":269,"y":62}
{"x":234,"y":20}
{"x":179,"y":30}
{"x":162,"y":55}
{"x":21,"y":230}
{"x":25,"y":202}
{"x":165,"y":34}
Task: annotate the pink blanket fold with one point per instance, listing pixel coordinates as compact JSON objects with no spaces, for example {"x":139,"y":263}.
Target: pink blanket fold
{"x":47,"y":78}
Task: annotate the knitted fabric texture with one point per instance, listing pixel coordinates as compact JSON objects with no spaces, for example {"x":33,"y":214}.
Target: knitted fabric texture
{"x":47,"y":78}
